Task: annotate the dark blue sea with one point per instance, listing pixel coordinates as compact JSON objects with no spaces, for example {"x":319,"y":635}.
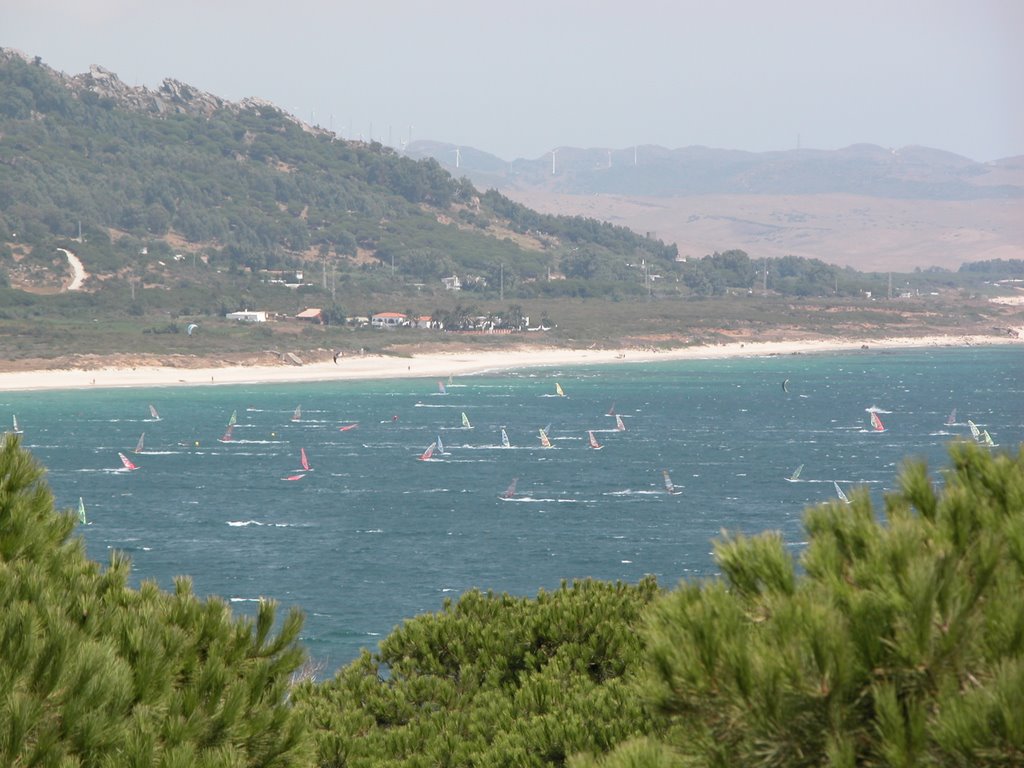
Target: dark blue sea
{"x":371,"y":535}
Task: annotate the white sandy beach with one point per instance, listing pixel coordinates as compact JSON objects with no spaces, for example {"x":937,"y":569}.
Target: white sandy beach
{"x":444,"y":364}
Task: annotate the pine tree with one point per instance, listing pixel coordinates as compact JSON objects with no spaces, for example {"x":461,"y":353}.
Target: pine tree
{"x":95,"y":673}
{"x":899,"y":644}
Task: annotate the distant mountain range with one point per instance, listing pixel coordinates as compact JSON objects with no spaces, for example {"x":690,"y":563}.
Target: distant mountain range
{"x":862,"y":169}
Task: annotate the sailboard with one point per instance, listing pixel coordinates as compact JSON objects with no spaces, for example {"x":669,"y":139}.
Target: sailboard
{"x":796,"y":474}
{"x":465,"y":421}
{"x":234,"y":419}
{"x":304,"y":459}
{"x":347,"y":427}
{"x":611,"y":409}
{"x":504,"y":439}
{"x":140,"y":446}
{"x":440,"y":388}
{"x":510,"y":492}
{"x":558,"y":390}
{"x":544,"y":442}
{"x":296,"y":476}
{"x":619,"y":424}
{"x":951,"y":419}
{"x":592,"y":441}
{"x":297,"y":413}
{"x":81,"y":512}
{"x":975,"y":432}
{"x":440,"y":445}
{"x":876,"y":423}
{"x":428,"y":454}
{"x":840,"y":494}
{"x":986,"y":439}
{"x":153,"y":414}
{"x":15,"y":428}
{"x":226,"y":437}
{"x":127,"y":462}
{"x":670,"y":487}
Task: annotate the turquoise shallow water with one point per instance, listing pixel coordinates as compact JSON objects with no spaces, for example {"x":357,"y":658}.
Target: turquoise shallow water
{"x":372,"y":535}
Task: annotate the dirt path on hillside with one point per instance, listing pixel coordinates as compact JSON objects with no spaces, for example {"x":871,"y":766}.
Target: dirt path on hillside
{"x":78,"y":273}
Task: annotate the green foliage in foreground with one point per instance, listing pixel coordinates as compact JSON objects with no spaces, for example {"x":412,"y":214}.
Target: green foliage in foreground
{"x":93,"y":673}
{"x":491,"y":680}
{"x":885,"y":644}
{"x":900,"y":645}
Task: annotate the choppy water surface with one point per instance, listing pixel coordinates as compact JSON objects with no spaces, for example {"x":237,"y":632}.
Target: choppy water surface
{"x":371,"y":535}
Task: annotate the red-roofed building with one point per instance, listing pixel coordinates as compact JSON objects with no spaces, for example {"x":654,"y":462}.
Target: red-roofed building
{"x":313,"y":315}
{"x":388,"y":320}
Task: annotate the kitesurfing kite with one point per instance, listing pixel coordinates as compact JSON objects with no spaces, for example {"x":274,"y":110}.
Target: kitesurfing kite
{"x":785,"y":385}
{"x":191,"y":327}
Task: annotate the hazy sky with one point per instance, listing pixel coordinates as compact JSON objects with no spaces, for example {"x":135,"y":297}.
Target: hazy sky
{"x":520,"y":77}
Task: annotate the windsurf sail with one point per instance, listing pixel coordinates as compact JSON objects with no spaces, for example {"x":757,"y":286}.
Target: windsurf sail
{"x":234,"y":419}
{"x":427,"y":454}
{"x":619,"y":425}
{"x":439,"y":444}
{"x":304,"y":459}
{"x":16,"y":429}
{"x":510,"y":492}
{"x":465,"y":421}
{"x":440,"y":388}
{"x":504,"y":439}
{"x":951,"y":419}
{"x":297,"y":476}
{"x":796,"y":474}
{"x":667,"y":480}
{"x":975,"y":432}
{"x":226,"y":437}
{"x":81,"y":511}
{"x":785,"y":385}
{"x":986,"y":438}
{"x":840,"y":494}
{"x":611,"y":409}
{"x":153,"y":414}
{"x":558,"y":390}
{"x":544,"y":442}
{"x":297,"y":414}
{"x":139,"y":446}
{"x":347,"y":427}
{"x":876,"y":423}
{"x":127,"y":462}
{"x":592,"y":441}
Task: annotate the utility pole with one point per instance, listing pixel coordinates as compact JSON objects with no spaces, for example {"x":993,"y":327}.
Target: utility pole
{"x":501,"y":291}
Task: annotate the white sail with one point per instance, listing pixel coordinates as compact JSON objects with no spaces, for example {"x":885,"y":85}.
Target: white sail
{"x":297,"y":413}
{"x":545,"y":443}
{"x":669,"y":485}
{"x":839,"y":493}
{"x":796,"y":474}
{"x":504,"y":438}
{"x":16,"y":428}
{"x":153,"y":414}
{"x":975,"y":432}
{"x":951,"y":419}
{"x":140,"y":446}
{"x":465,"y":421}
{"x":619,"y":424}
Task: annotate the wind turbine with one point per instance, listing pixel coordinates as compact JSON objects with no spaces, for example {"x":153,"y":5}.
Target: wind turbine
{"x":553,"y":153}
{"x":458,"y":156}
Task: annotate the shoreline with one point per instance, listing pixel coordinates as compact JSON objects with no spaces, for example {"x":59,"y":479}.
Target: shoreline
{"x":444,"y":364}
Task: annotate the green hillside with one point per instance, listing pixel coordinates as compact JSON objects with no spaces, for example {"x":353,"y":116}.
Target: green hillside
{"x":183,"y":206}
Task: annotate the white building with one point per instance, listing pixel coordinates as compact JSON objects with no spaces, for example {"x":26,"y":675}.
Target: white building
{"x":248,"y":316}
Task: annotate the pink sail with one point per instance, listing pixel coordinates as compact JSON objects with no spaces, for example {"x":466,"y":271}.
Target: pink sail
{"x":427,"y":454}
{"x":592,"y":441}
{"x":876,"y":423}
{"x":127,"y":462}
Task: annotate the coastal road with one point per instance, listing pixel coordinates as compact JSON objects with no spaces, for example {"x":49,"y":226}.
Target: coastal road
{"x":78,"y":273}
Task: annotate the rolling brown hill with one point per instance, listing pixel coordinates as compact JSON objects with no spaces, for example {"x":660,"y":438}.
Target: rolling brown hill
{"x":864,"y":206}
